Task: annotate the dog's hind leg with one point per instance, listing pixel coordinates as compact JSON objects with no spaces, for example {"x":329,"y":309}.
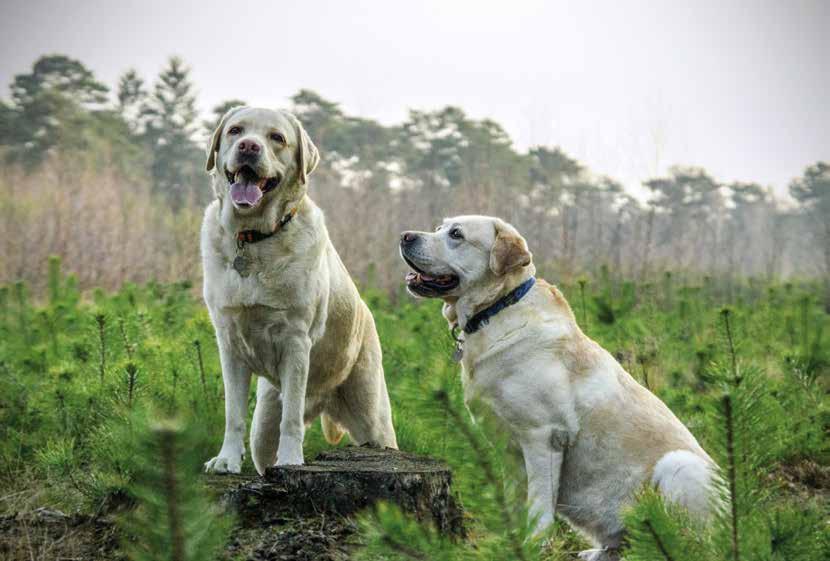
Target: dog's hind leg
{"x":361,"y":403}
{"x":265,"y":428}
{"x":332,"y":432}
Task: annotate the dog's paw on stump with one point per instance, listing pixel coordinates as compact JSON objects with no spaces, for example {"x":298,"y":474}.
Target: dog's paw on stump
{"x":344,"y":481}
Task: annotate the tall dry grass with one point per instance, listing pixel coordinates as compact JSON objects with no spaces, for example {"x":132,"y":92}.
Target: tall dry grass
{"x":106,"y":228}
{"x":109,"y":229}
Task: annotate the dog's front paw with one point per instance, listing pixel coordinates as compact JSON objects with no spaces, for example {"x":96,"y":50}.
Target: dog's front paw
{"x":543,"y":522}
{"x":290,"y":452}
{"x":224,"y":464}
{"x":599,"y":555}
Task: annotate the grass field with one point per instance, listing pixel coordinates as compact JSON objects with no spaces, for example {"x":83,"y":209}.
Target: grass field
{"x":83,"y":376}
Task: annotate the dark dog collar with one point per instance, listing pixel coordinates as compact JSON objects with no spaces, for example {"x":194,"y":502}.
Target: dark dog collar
{"x":254,"y":236}
{"x":242,"y":262}
{"x":483,"y":317}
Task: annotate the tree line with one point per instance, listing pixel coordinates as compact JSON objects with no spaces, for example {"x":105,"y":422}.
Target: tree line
{"x":129,"y":163}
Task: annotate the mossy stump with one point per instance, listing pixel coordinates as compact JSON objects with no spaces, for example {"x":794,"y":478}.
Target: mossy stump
{"x":344,"y":481}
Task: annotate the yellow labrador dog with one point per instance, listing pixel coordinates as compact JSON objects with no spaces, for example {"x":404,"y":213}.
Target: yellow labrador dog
{"x":591,"y":436}
{"x":281,"y":301}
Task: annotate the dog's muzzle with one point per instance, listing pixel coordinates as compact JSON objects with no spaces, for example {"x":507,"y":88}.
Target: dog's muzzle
{"x":419,"y":281}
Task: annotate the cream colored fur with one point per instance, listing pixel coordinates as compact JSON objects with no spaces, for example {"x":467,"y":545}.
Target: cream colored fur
{"x":297,"y":321}
{"x":591,"y":436}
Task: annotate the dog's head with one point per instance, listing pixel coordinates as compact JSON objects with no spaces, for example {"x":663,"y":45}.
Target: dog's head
{"x":466,"y":254}
{"x":259,"y":156}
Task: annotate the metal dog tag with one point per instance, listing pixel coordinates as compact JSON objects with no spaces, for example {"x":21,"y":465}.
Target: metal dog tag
{"x":241,"y":263}
{"x":458,"y":354}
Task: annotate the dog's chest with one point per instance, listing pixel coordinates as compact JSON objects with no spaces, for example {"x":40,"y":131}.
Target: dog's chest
{"x":235,"y":291}
{"x":516,"y":378}
{"x":255,"y":335}
{"x":510,"y":369}
{"x":270,"y":278}
{"x":254,"y":312}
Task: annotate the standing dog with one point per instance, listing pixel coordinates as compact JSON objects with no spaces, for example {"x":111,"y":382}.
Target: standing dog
{"x":281,"y":301}
{"x":591,"y":436}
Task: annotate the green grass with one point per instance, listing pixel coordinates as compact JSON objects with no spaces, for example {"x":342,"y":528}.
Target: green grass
{"x":74,"y":369}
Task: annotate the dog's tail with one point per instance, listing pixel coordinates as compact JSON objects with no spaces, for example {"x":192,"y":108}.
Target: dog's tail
{"x":331,"y":430}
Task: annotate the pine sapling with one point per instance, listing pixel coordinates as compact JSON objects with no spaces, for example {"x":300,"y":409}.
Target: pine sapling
{"x":174,"y":518}
{"x":132,"y":379}
{"x":128,"y":347}
{"x":390,"y":533}
{"x":486,"y":466}
{"x":59,"y":395}
{"x":658,"y":541}
{"x":101,"y":320}
{"x":744,"y":419}
{"x":200,"y":363}
{"x":22,"y":308}
{"x":658,"y":530}
{"x":167,"y":451}
{"x":54,"y":279}
{"x":732,"y":479}
{"x":174,"y":374}
{"x":804,"y":305}
{"x":668,"y":291}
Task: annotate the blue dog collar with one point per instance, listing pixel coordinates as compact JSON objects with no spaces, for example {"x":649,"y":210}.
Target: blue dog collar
{"x":483,"y":317}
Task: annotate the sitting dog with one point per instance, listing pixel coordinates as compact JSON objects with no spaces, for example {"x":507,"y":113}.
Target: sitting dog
{"x":281,"y":301}
{"x":591,"y":436}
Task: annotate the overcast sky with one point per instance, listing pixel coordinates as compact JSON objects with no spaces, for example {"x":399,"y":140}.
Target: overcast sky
{"x":628,"y":88}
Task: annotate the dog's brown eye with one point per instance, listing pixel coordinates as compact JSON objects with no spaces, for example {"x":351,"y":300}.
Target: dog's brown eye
{"x":233,"y":131}
{"x":456,"y":234}
{"x":277,"y":137}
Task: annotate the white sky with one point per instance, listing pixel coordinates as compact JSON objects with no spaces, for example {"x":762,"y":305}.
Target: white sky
{"x":628,"y":88}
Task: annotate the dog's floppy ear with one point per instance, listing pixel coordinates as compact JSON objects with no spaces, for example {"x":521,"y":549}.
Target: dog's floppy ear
{"x":509,"y":251}
{"x":307,"y":154}
{"x":213,"y":145}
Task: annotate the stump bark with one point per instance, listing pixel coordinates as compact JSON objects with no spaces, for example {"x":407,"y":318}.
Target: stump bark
{"x":344,"y":481}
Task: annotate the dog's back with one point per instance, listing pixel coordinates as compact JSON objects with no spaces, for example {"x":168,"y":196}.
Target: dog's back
{"x":627,"y":438}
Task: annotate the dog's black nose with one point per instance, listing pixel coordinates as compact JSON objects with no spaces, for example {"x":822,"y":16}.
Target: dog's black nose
{"x":249,"y":147}
{"x":408,"y":237}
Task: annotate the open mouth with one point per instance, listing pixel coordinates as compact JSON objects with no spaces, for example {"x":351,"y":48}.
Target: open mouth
{"x":425,"y":284}
{"x":248,"y":188}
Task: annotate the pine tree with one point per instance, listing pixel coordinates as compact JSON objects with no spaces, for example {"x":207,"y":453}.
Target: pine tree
{"x":175,"y":517}
{"x":53,"y":106}
{"x":131,"y":97}
{"x":171,"y":124}
{"x":658,"y":531}
{"x":61,"y":75}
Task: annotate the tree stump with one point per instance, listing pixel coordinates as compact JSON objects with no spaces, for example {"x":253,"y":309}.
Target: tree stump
{"x":344,"y":481}
{"x":299,"y":513}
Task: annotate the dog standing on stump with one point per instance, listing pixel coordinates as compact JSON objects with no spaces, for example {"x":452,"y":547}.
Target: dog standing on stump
{"x":281,"y":301}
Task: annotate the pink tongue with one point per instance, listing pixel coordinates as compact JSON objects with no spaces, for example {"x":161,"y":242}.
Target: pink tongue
{"x":245,"y":193}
